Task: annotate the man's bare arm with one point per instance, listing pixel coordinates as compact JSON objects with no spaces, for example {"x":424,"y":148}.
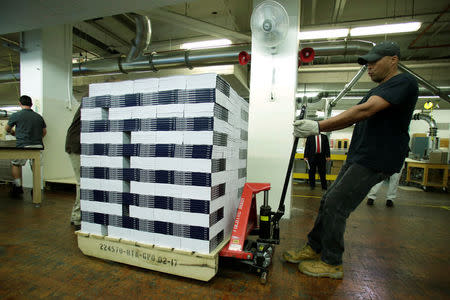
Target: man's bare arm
{"x":10,"y":130}
{"x":44,"y":131}
{"x":354,"y":114}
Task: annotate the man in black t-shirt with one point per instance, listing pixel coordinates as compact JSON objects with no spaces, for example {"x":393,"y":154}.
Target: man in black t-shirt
{"x":378,"y":148}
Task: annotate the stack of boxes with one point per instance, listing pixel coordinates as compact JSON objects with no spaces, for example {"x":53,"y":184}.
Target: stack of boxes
{"x":163,"y":160}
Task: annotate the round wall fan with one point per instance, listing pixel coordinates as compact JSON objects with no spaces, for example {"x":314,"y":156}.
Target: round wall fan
{"x":269,"y":23}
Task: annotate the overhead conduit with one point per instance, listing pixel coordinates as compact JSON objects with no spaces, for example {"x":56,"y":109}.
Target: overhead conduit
{"x":433,"y":128}
{"x":213,"y":57}
{"x":142,"y":39}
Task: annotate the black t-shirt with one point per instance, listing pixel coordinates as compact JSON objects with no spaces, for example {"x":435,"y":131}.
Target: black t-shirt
{"x":381,"y":142}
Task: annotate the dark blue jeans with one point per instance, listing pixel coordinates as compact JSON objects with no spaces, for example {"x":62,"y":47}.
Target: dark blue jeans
{"x":344,"y":195}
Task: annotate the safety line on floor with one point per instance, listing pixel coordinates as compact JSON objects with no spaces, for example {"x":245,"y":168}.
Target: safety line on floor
{"x":306,"y":196}
{"x":432,"y":206}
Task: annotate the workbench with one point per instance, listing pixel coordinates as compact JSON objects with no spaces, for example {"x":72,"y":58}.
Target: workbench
{"x":331,"y":177}
{"x":425,"y":182}
{"x":27,"y":153}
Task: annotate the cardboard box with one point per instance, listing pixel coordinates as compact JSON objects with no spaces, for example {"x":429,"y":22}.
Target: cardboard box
{"x":438,"y":157}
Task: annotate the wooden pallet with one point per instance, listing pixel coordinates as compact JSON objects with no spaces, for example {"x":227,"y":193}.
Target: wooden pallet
{"x":168,"y":260}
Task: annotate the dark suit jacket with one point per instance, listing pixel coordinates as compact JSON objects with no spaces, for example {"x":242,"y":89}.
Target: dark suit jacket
{"x":310,"y":146}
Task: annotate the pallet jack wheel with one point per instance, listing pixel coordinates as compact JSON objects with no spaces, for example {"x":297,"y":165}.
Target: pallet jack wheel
{"x":263,"y":277}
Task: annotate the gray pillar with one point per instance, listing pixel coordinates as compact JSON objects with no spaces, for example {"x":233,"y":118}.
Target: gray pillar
{"x":46,"y":76}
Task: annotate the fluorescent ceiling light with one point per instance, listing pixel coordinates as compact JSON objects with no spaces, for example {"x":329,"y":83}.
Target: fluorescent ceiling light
{"x":309,"y":94}
{"x":429,"y":97}
{"x":11,"y":108}
{"x":323,"y":34}
{"x":205,"y":44}
{"x":385,"y":29}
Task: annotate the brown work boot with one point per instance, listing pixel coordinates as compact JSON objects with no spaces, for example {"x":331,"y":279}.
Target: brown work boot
{"x":297,"y":255}
{"x":318,"y":268}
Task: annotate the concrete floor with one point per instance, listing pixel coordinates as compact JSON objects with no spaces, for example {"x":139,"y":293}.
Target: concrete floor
{"x":391,"y":253}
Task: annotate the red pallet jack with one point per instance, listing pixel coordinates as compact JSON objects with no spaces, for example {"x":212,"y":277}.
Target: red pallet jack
{"x":258,"y":253}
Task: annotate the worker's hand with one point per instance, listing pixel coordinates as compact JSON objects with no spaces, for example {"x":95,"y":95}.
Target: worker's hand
{"x":305,"y":128}
{"x":328,"y":159}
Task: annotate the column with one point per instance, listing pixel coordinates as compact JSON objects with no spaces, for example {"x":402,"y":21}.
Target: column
{"x":46,"y":76}
{"x":272,"y":109}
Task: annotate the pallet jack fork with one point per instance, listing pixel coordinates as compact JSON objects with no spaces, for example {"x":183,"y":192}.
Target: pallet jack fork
{"x":258,"y":254}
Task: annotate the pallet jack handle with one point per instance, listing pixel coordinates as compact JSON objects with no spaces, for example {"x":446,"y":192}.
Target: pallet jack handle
{"x":280,"y":211}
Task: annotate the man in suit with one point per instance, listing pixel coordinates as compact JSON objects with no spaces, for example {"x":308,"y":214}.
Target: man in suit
{"x":317,"y":153}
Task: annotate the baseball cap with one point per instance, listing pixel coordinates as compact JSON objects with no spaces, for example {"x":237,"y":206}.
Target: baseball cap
{"x":385,"y":48}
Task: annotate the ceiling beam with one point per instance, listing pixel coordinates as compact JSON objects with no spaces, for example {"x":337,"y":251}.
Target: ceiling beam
{"x":196,"y":25}
{"x":93,"y":41}
{"x":126,"y":21}
{"x":99,"y":27}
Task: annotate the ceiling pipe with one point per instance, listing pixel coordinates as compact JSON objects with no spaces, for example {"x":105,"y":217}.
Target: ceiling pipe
{"x":343,"y":47}
{"x":157,"y":61}
{"x":346,"y":89}
{"x":428,"y":85}
{"x":152,"y":62}
{"x":142,"y":39}
{"x":362,"y":92}
{"x":433,"y":143}
{"x":212,"y":57}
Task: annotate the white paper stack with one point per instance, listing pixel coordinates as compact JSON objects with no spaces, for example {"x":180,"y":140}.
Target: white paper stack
{"x":164,"y":164}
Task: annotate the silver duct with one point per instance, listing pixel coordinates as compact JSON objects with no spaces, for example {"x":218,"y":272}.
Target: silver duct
{"x":431,"y":122}
{"x":152,"y":62}
{"x":346,"y":89}
{"x":433,"y":142}
{"x":428,"y":85}
{"x":359,"y":48}
{"x":344,"y":47}
{"x":314,"y":99}
{"x":142,"y":39}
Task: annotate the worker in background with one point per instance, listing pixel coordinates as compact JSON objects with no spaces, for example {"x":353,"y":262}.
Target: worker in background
{"x":378,"y":149}
{"x":73,"y":148}
{"x":391,"y":194}
{"x":29,"y":128}
{"x":317,"y":153}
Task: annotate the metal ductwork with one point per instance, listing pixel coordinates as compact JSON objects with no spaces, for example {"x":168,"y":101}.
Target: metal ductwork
{"x":346,"y":89}
{"x":359,"y":48}
{"x":431,"y":122}
{"x":344,"y":47}
{"x":142,"y":39}
{"x":428,"y":85}
{"x":433,"y":143}
{"x":152,"y":62}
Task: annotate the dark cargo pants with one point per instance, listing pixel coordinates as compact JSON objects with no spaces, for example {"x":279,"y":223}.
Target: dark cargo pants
{"x":344,"y":195}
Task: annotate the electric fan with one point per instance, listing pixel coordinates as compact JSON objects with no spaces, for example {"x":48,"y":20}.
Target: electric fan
{"x":269,"y":23}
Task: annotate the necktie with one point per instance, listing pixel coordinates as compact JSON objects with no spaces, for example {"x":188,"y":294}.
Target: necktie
{"x":318,"y":143}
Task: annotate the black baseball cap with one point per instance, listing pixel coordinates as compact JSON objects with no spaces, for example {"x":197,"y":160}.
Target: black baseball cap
{"x":385,"y":48}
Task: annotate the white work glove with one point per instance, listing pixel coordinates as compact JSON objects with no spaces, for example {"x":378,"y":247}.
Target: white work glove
{"x":305,"y":128}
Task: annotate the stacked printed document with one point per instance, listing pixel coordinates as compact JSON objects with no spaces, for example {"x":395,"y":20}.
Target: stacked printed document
{"x":163,"y":162}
